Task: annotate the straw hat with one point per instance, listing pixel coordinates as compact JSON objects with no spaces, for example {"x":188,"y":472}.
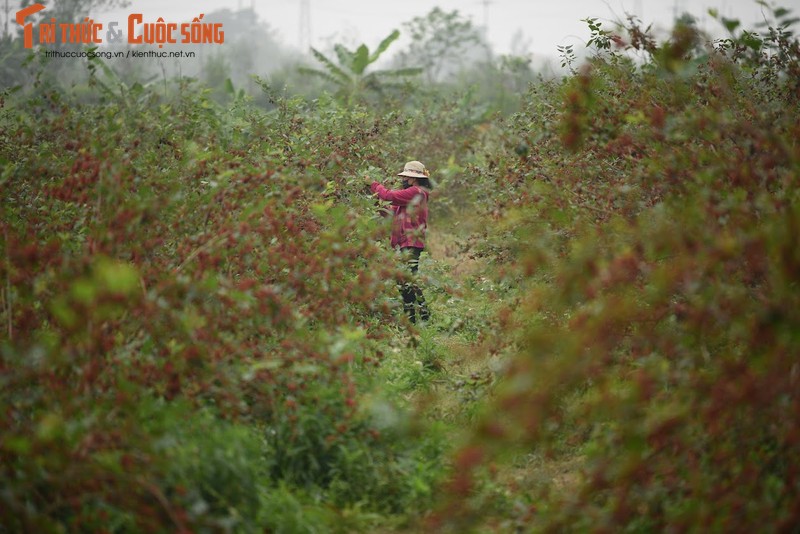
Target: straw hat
{"x":414,"y":169}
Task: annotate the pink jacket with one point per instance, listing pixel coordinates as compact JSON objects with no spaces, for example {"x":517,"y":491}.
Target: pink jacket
{"x":410,"y":208}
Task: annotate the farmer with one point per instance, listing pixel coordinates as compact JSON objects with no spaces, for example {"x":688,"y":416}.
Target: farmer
{"x":410,"y":208}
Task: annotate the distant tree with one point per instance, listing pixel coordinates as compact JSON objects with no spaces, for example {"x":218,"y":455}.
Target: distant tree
{"x":217,"y":75}
{"x":349,"y":73}
{"x":520,"y":44}
{"x":250,"y":43}
{"x":443,"y":44}
{"x":12,"y":59}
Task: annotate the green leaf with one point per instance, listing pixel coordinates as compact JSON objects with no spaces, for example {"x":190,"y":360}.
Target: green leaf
{"x":320,"y":74}
{"x":354,"y":334}
{"x":388,"y":40}
{"x":83,"y":291}
{"x":117,"y":277}
{"x":321,"y":209}
{"x":730,"y":24}
{"x":339,"y":76}
{"x":345,"y":56}
{"x":781,"y":12}
{"x":752,"y":41}
{"x":17,"y":444}
{"x":63,"y":312}
{"x":410,"y":71}
{"x":360,"y":60}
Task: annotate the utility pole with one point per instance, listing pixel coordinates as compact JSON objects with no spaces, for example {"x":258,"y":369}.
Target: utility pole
{"x":304,"y":35}
{"x":486,"y":4}
{"x":5,"y":32}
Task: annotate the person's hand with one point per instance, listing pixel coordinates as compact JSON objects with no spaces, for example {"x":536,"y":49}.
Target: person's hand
{"x":368,"y":180}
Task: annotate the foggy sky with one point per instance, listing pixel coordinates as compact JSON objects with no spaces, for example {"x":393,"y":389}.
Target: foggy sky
{"x":545,"y":23}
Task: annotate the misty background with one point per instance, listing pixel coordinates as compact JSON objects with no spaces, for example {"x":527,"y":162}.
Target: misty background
{"x":496,"y":46}
{"x":543,"y":25}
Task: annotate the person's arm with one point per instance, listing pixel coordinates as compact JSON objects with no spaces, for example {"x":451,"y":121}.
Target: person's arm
{"x":398,"y":197}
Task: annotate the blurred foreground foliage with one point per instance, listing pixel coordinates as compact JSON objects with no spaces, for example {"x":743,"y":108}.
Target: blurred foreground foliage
{"x":651,"y":212}
{"x":200,"y":320}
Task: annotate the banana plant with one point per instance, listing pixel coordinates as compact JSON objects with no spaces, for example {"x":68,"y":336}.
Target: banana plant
{"x":349,"y":72}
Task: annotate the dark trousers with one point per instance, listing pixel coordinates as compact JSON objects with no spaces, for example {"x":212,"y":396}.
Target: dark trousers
{"x":412,"y":294}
